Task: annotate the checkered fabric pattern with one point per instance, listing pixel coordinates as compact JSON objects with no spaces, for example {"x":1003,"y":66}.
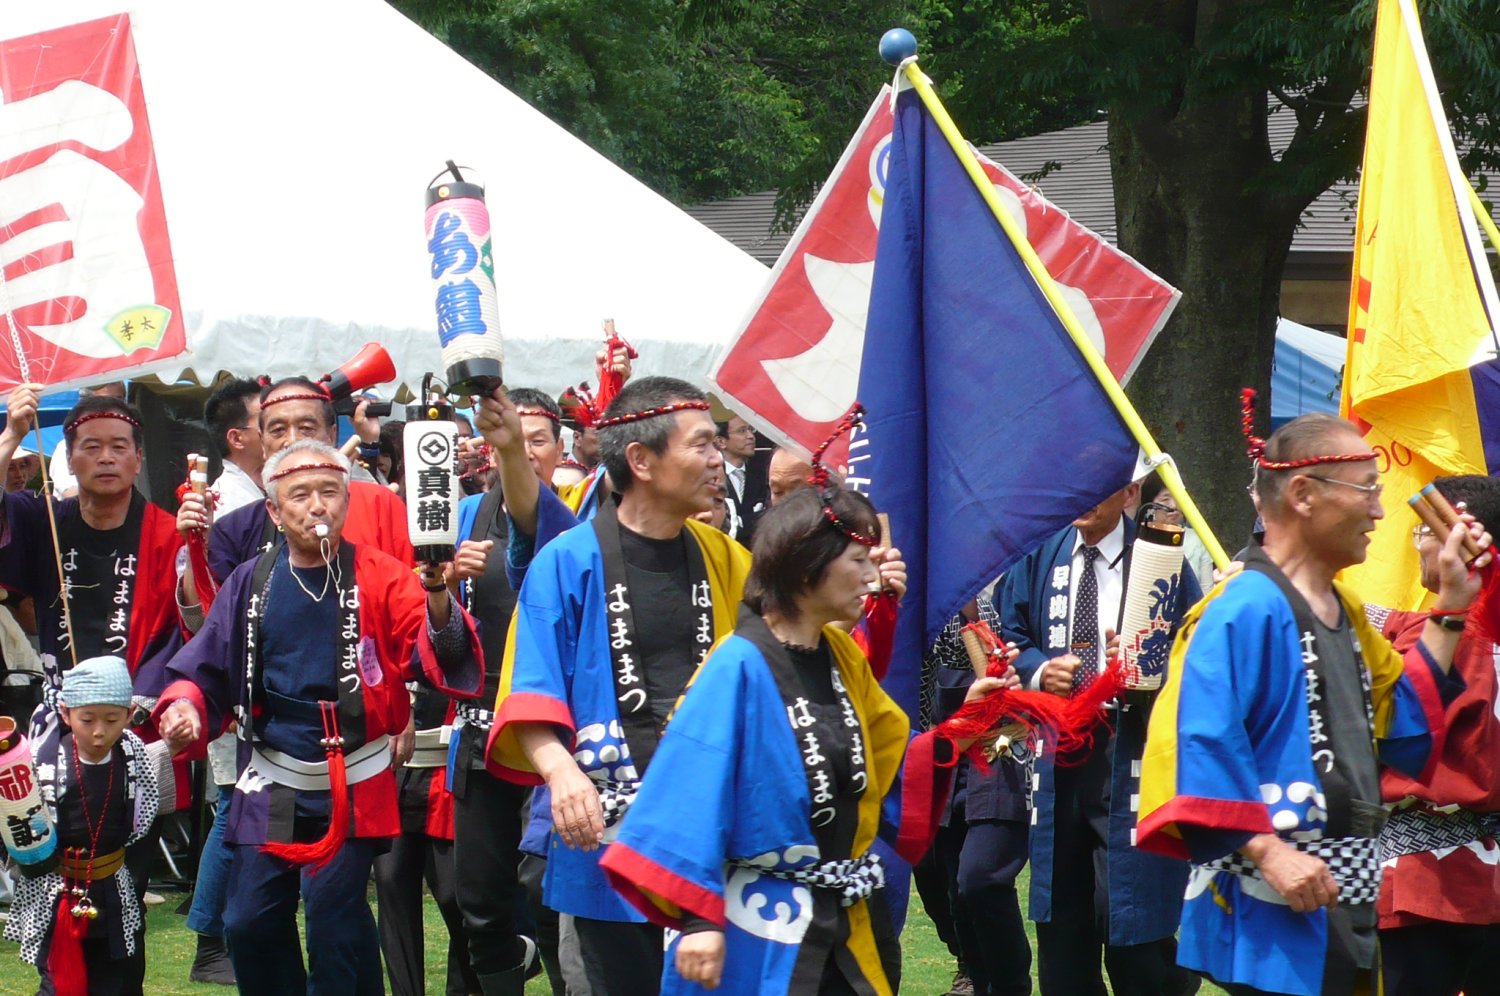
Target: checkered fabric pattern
{"x":853,"y":878}
{"x":615,"y":798}
{"x":1413,"y":830}
{"x":472,"y":715}
{"x":1354,"y":863}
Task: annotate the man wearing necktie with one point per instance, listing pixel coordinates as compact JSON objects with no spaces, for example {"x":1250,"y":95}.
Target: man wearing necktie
{"x":1092,"y":892}
{"x":745,"y":499}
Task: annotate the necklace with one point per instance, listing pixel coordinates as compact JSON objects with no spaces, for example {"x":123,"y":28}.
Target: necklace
{"x":328,"y":575}
{"x":83,"y":905}
{"x":298,"y":578}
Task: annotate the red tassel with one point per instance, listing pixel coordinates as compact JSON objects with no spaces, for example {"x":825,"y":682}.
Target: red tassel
{"x":202,"y":577}
{"x":65,"y":965}
{"x":610,"y":382}
{"x":1070,"y":721}
{"x":319,"y":852}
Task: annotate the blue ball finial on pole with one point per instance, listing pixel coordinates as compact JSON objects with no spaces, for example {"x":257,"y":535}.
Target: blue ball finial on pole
{"x":897,"y":45}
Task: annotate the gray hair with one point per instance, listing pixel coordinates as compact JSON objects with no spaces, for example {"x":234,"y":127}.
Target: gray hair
{"x":319,"y":449}
{"x":1303,"y":438}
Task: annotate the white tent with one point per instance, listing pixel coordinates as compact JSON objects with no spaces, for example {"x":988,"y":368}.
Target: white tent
{"x":294,"y":143}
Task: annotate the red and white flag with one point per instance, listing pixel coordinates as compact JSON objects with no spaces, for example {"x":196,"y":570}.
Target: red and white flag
{"x":793,"y":369}
{"x":87,"y":287}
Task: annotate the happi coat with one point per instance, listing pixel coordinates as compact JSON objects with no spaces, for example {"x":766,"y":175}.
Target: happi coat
{"x":1145,"y":890}
{"x":33,"y":909}
{"x":1230,"y":753}
{"x":140,"y":604}
{"x":558,"y":670}
{"x":1454,"y":875}
{"x":729,"y":784}
{"x":216,"y":673}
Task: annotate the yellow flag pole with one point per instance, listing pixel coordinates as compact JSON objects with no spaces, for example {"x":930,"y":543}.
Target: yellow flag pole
{"x":1483,"y":214}
{"x":1128,"y":414}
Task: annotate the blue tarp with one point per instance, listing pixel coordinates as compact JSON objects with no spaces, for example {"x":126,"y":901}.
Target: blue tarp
{"x":1305,"y":372}
{"x":53,"y":409}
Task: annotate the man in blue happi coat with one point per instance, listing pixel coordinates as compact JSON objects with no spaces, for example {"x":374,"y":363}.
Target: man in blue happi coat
{"x":1090,"y":888}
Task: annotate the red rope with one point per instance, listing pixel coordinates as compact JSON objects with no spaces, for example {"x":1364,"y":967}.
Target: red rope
{"x":1256,"y":446}
{"x":628,"y":417}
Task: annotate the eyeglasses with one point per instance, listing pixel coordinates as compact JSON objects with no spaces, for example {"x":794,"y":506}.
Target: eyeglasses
{"x":1420,"y":533}
{"x":744,"y":430}
{"x":1368,"y":490}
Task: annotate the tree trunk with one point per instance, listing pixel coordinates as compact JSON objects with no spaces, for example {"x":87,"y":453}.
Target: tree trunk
{"x":1188,"y":207}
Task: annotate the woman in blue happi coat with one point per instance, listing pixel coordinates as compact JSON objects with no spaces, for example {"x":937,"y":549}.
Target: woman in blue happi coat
{"x":751,"y":832}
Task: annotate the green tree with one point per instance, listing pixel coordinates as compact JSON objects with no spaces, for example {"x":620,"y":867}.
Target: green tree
{"x":1201,"y":197}
{"x":691,"y":115}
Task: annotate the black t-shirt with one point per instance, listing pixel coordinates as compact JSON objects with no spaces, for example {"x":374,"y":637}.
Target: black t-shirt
{"x":1352,"y":788}
{"x":94,"y":561}
{"x":661,"y":596}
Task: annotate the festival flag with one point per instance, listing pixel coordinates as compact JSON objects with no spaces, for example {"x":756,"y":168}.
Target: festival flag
{"x":87,"y":284}
{"x":987,"y":430}
{"x":793,"y":368}
{"x":1420,"y":378}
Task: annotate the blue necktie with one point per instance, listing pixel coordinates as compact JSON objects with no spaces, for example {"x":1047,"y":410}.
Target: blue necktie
{"x":1086,"y":622}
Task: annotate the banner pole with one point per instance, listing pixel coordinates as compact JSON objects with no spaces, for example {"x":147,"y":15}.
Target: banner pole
{"x":62,"y":579}
{"x":1159,"y":460}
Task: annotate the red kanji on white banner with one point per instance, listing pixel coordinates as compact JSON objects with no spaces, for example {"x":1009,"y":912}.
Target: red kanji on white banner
{"x":86,"y":277}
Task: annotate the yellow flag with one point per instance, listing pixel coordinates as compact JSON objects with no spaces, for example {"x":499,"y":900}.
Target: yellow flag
{"x":1419,"y":369}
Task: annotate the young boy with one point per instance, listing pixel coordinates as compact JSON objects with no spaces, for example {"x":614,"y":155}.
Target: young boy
{"x":100,"y":785}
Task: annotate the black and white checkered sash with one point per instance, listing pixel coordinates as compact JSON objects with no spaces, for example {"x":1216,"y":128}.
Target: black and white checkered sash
{"x":1415,"y":829}
{"x":615,"y":799}
{"x":472,"y":715}
{"x":853,"y":878}
{"x":1354,"y":863}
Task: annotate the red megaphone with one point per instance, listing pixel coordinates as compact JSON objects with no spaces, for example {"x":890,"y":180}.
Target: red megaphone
{"x":370,"y":366}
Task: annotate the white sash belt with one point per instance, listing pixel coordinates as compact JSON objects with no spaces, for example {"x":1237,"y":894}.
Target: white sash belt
{"x":431,"y":750}
{"x":360,"y":765}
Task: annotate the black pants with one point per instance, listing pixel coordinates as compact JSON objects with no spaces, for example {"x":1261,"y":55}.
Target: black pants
{"x":1441,"y":958}
{"x":1069,"y":946}
{"x":486,"y":847}
{"x":620,"y":959}
{"x":994,"y":852}
{"x":399,"y":874}
{"x":545,"y":918}
{"x":107,"y":976}
{"x":930,"y":875}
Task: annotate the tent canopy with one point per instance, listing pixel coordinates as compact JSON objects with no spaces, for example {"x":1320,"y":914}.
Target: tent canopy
{"x":1305,"y":372}
{"x":294,"y":143}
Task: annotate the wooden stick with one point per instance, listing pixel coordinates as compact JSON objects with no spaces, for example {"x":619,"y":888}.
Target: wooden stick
{"x":979,"y":657}
{"x":1448,"y":516}
{"x":62,"y":579}
{"x":885,"y":529}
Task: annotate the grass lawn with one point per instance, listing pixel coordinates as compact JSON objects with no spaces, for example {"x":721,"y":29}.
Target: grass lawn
{"x":928,"y":968}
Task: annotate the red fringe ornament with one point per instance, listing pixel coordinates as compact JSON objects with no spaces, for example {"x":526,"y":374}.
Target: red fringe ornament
{"x":65,"y":965}
{"x":584,"y":409}
{"x":197,"y":547}
{"x":1069,"y":722}
{"x":610,"y":382}
{"x":318,"y":853}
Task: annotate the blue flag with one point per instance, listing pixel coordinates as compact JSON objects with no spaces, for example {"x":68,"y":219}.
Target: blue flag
{"x":987,"y":432}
